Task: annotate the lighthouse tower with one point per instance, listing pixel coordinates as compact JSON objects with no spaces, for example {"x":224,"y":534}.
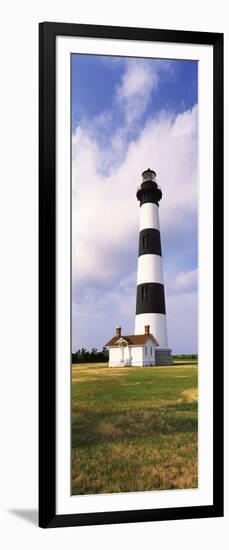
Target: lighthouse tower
{"x":150,"y":303}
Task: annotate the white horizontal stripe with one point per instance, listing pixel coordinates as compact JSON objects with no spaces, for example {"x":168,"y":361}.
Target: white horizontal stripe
{"x":158,"y":327}
{"x":150,"y":269}
{"x":149,"y":216}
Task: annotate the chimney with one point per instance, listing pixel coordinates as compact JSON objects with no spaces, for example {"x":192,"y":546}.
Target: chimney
{"x":118,"y":331}
{"x":147,"y":327}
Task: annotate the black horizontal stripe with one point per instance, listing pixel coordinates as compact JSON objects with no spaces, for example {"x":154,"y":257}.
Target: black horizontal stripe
{"x":149,"y":192}
{"x":150,"y":298}
{"x":149,"y":242}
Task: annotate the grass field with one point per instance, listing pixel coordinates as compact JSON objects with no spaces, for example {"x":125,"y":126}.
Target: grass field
{"x":133,"y":429}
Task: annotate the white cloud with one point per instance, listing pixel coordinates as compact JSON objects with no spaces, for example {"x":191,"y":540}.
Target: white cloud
{"x":137,"y":77}
{"x":134,"y":92}
{"x":185,"y":281}
{"x":105,"y":210}
{"x":182,"y":322}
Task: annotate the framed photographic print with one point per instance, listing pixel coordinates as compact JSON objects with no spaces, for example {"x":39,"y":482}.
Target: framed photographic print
{"x":131,"y":275}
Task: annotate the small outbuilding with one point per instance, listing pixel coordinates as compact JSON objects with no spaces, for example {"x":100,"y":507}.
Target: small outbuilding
{"x":132,"y":350}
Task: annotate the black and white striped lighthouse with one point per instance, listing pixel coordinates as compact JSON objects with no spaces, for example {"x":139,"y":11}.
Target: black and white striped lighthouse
{"x":150,"y":303}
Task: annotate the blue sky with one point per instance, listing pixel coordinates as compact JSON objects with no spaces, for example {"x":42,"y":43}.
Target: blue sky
{"x":128,"y":114}
{"x":105,"y":73}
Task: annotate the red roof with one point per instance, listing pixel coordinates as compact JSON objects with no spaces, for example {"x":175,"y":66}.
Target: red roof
{"x":133,"y":339}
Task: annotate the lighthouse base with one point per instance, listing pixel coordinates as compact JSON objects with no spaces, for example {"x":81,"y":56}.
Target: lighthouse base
{"x":163,"y":357}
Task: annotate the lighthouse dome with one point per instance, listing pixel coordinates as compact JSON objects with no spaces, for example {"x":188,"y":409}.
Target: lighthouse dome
{"x":149,"y":190}
{"x":148,"y":175}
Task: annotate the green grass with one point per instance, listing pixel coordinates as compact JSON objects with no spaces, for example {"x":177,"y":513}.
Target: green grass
{"x":133,"y":429}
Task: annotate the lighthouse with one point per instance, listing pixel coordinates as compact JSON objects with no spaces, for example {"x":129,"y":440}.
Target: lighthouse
{"x":149,"y":345}
{"x":150,"y":300}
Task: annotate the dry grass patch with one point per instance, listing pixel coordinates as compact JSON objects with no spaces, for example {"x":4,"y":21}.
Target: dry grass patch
{"x":189,"y":395}
{"x":107,"y":429}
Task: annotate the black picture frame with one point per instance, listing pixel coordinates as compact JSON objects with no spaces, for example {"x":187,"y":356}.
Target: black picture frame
{"x":47,"y":273}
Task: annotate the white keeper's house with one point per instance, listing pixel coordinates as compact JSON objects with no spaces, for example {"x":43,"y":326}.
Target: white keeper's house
{"x":132,"y":350}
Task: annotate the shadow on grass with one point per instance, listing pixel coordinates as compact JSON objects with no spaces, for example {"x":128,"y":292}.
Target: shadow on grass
{"x":185,"y":363}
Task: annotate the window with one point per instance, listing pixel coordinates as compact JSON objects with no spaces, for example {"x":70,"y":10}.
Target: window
{"x":145,"y":350}
{"x":151,"y":350}
{"x":144,"y":292}
{"x":144,"y":242}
